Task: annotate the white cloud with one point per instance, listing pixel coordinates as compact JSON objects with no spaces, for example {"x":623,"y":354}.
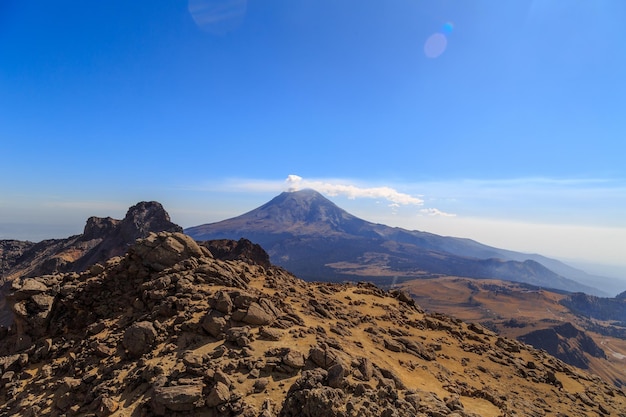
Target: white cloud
{"x":295,"y":182}
{"x":436,"y":212}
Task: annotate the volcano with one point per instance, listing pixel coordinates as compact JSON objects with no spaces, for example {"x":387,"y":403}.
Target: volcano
{"x":312,"y":237}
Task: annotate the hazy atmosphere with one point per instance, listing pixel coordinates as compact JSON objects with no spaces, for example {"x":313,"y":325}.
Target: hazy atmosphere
{"x":496,"y":121}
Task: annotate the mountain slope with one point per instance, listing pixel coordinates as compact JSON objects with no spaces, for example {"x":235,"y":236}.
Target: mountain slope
{"x":582,"y":330}
{"x":169,"y":329}
{"x":309,"y":235}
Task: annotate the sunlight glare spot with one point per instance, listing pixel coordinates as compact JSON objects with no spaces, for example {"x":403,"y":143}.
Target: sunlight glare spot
{"x":447,"y":28}
{"x":435,"y":45}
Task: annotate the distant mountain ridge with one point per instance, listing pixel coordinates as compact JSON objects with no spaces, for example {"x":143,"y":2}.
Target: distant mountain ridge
{"x":309,"y":235}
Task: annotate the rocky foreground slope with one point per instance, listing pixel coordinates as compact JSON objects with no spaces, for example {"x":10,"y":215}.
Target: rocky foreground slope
{"x":178,"y":328}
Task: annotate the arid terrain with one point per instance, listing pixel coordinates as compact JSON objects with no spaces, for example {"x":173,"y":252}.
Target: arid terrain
{"x":534,"y":315}
{"x":177,"y":328}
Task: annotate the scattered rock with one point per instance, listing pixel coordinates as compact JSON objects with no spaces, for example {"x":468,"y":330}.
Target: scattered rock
{"x":139,"y":338}
{"x":293,"y":359}
{"x":219,"y":394}
{"x":177,"y":398}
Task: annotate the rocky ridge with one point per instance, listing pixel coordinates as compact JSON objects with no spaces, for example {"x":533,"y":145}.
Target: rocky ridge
{"x":102,"y":238}
{"x":171,"y":329}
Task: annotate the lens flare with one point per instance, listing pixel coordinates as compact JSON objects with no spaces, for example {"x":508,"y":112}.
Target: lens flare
{"x":447,"y":28}
{"x":435,"y":45}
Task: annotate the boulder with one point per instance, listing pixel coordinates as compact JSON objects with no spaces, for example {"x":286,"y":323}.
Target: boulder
{"x":139,"y":338}
{"x":106,"y":406}
{"x":219,"y":394}
{"x":28,"y":287}
{"x":223,"y":302}
{"x":177,"y":398}
{"x":324,"y":357}
{"x":336,"y":375}
{"x":214,"y":325}
{"x":293,"y":359}
{"x":257,"y":315}
{"x":163,"y":250}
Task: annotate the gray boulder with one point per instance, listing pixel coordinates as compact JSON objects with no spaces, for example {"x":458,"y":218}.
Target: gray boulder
{"x":177,"y":398}
{"x":139,"y":338}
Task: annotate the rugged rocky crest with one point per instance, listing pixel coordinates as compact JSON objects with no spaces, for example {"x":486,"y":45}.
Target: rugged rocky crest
{"x":101,"y":239}
{"x":600,"y":308}
{"x":171,"y":329}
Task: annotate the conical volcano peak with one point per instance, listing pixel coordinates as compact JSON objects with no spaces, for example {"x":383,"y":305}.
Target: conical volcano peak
{"x":305,"y":208}
{"x":297,"y":213}
{"x":306,"y":199}
{"x":303,"y":196}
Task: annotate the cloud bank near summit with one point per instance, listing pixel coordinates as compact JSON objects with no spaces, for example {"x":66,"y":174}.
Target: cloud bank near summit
{"x":295,"y":183}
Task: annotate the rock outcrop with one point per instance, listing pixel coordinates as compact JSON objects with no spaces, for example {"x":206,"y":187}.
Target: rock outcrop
{"x":102,"y":238}
{"x":170,"y":329}
{"x":10,"y":253}
{"x":241,"y":250}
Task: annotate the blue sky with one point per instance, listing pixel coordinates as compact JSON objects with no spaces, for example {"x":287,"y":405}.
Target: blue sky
{"x":504,"y":119}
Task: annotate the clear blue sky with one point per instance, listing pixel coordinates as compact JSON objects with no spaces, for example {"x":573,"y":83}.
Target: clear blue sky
{"x":499,"y":112}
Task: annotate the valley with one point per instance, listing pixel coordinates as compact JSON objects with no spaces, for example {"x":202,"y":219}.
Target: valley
{"x":534,"y":315}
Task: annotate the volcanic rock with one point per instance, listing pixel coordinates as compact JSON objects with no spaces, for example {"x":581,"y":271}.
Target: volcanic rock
{"x":102,"y":239}
{"x":139,"y":338}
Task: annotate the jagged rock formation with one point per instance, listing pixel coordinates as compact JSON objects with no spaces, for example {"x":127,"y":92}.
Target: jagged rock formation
{"x":170,"y":329}
{"x":101,"y":239}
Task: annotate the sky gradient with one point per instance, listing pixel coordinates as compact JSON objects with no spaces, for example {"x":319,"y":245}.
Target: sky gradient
{"x":498,"y":121}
